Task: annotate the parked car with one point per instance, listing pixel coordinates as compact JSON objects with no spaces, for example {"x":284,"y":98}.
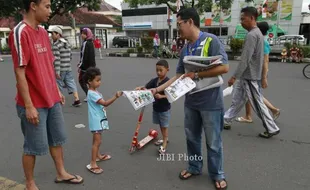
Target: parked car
{"x":299,"y":39}
{"x":120,"y":41}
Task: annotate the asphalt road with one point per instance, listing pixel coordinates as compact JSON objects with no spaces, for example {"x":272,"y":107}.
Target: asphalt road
{"x":280,"y":163}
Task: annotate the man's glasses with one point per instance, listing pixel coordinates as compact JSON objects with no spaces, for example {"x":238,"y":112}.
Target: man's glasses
{"x":179,"y":23}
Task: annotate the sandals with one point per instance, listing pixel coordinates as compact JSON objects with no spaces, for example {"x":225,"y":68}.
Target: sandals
{"x":104,"y":157}
{"x":70,"y":180}
{"x":268,"y":135}
{"x":96,"y":170}
{"x":243,"y":120}
{"x":160,"y":142}
{"x":188,"y":174}
{"x":219,"y":182}
{"x":162,"y":150}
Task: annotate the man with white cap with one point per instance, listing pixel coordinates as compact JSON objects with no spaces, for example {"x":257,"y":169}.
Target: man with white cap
{"x":62,"y":52}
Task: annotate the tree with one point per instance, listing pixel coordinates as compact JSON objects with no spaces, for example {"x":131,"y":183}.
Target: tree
{"x":200,"y":5}
{"x":14,"y":8}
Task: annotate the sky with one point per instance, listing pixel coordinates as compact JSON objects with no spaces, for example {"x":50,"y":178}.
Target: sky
{"x":115,"y":3}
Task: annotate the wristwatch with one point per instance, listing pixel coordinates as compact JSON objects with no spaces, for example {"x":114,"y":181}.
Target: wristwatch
{"x":196,"y":77}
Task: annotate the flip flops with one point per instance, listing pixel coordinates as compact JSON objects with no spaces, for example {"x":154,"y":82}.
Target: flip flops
{"x":70,"y":180}
{"x":96,"y":170}
{"x":104,"y":157}
{"x":188,"y":174}
{"x":219,"y":182}
{"x":243,"y":120}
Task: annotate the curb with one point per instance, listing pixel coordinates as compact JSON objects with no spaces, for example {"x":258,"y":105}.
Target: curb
{"x":142,"y":55}
{"x":133,"y":55}
{"x":6,"y":184}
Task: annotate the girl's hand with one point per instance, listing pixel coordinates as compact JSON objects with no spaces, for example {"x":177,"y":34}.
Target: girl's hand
{"x":118,"y":94}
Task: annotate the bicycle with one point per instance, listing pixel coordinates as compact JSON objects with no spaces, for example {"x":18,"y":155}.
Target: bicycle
{"x":306,"y":71}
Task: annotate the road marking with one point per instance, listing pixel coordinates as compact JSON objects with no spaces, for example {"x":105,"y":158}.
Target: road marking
{"x":6,"y":184}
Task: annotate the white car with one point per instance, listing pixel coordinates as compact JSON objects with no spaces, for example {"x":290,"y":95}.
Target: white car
{"x":299,"y":39}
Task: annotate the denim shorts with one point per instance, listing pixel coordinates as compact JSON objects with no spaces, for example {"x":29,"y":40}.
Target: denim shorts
{"x":67,"y":81}
{"x":49,"y":132}
{"x":162,"y":118}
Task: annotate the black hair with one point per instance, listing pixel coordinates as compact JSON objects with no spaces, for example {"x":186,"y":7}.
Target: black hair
{"x":163,"y":63}
{"x":91,"y":74}
{"x":28,"y":2}
{"x":250,"y":11}
{"x":190,"y":13}
{"x":264,"y":27}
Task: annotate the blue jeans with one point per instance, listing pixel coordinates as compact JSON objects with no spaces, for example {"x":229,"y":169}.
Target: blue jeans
{"x":162,"y":118}
{"x":49,"y":132}
{"x":67,"y":81}
{"x":212,"y":123}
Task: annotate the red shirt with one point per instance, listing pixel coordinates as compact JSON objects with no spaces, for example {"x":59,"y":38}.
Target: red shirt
{"x":31,"y":49}
{"x":97,"y":43}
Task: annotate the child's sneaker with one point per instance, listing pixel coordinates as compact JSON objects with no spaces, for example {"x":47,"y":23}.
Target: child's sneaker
{"x":162,"y":150}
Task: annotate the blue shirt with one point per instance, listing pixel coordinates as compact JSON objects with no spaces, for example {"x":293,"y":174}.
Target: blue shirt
{"x":267,"y":48}
{"x":160,"y":105}
{"x":96,"y":111}
{"x":211,"y":99}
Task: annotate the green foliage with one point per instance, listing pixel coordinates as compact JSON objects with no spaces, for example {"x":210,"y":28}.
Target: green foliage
{"x":139,"y":49}
{"x":5,"y":48}
{"x":15,"y":7}
{"x":236,"y":45}
{"x":305,"y":51}
{"x":130,"y":50}
{"x":147,"y":43}
{"x":288,"y":46}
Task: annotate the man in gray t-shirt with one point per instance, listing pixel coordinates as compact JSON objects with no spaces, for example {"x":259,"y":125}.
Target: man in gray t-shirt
{"x":248,"y":73}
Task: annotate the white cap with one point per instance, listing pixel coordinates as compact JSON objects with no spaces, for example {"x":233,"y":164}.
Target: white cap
{"x":56,"y":29}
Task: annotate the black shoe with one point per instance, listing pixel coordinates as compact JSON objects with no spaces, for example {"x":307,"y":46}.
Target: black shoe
{"x":267,"y":135}
{"x":227,"y":126}
{"x":77,"y":103}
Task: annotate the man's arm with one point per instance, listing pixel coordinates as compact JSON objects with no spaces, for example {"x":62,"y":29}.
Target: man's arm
{"x":22,"y":86}
{"x":247,"y":53}
{"x":265,"y":66}
{"x":168,"y":83}
{"x":56,"y":53}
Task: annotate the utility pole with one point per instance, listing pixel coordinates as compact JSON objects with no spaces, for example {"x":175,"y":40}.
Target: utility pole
{"x":74,"y":28}
{"x":219,"y":3}
{"x":278,"y":16}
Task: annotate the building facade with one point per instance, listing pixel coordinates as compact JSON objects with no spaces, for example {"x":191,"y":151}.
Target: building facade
{"x":151,"y":19}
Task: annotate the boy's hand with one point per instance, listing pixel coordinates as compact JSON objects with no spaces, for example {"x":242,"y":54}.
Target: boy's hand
{"x":159,"y":96}
{"x":140,"y":88}
{"x":32,"y":115}
{"x":154,"y":91}
{"x":118,"y":94}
